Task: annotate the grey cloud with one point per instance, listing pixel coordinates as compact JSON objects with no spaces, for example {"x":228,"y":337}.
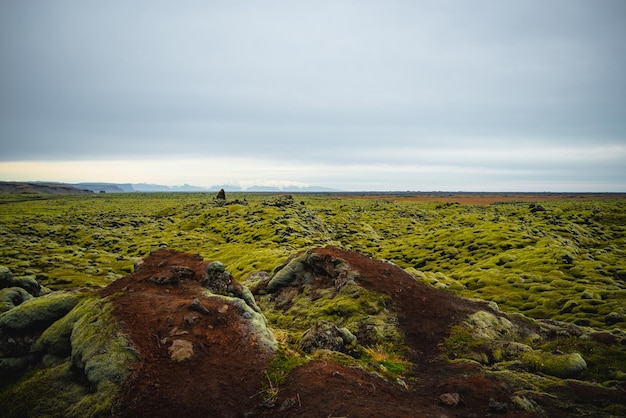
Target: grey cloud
{"x":304,"y":80}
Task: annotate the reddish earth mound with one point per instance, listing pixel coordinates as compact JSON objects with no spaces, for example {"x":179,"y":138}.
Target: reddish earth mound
{"x":425,"y":314}
{"x":165,"y":314}
{"x":199,"y":358}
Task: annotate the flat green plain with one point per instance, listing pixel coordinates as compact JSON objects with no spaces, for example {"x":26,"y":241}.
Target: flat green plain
{"x":554,"y":259}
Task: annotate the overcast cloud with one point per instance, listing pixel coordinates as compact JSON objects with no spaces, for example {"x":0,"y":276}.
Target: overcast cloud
{"x":358,"y":95}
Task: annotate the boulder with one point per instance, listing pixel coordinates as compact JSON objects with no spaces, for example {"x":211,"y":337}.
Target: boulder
{"x":6,"y":277}
{"x":98,"y":347}
{"x":311,"y":268}
{"x":450,"y":398}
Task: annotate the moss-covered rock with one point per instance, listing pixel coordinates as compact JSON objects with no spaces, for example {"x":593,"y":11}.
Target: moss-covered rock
{"x":56,"y":339}
{"x":28,"y":283}
{"x":6,"y":277}
{"x":76,"y":365}
{"x":614,"y":318}
{"x":256,"y":323}
{"x":12,"y":367}
{"x":559,"y":365}
{"x":290,"y":272}
{"x":487,"y":326}
{"x":38,"y":313}
{"x":11,"y":297}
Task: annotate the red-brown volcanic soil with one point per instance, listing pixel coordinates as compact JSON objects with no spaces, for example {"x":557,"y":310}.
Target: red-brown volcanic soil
{"x":227,"y":369}
{"x":226,"y":375}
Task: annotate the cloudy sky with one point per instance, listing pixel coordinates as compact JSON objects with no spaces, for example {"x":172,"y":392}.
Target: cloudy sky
{"x":525,"y":95}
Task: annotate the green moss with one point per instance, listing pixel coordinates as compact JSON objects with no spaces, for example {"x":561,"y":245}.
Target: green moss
{"x":98,"y":347}
{"x":56,"y":339}
{"x":364,"y":313}
{"x":504,"y":253}
{"x":283,"y":363}
{"x":45,"y":392}
{"x":462,"y":343}
{"x":92,"y":240}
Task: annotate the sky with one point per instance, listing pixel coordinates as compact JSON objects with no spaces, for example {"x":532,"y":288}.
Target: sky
{"x":450,"y":95}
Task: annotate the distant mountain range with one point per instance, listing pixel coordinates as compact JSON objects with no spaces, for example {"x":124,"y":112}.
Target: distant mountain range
{"x":41,"y":187}
{"x":145,"y":187}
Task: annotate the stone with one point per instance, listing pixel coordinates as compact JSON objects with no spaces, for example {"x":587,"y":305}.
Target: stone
{"x":487,"y":326}
{"x":181,"y":350}
{"x":217,"y":279}
{"x":613,"y":318}
{"x":38,"y":313}
{"x":450,"y":399}
{"x":197,"y":306}
{"x":6,"y":277}
{"x":191,"y":320}
{"x":497,"y":406}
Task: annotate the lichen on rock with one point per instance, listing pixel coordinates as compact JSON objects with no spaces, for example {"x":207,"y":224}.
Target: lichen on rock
{"x":487,"y":326}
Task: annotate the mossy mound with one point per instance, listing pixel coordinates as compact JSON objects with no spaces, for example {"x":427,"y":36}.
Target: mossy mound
{"x":75,"y":367}
{"x":315,"y":303}
{"x":559,"y":365}
{"x":16,"y":290}
{"x":38,"y":313}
